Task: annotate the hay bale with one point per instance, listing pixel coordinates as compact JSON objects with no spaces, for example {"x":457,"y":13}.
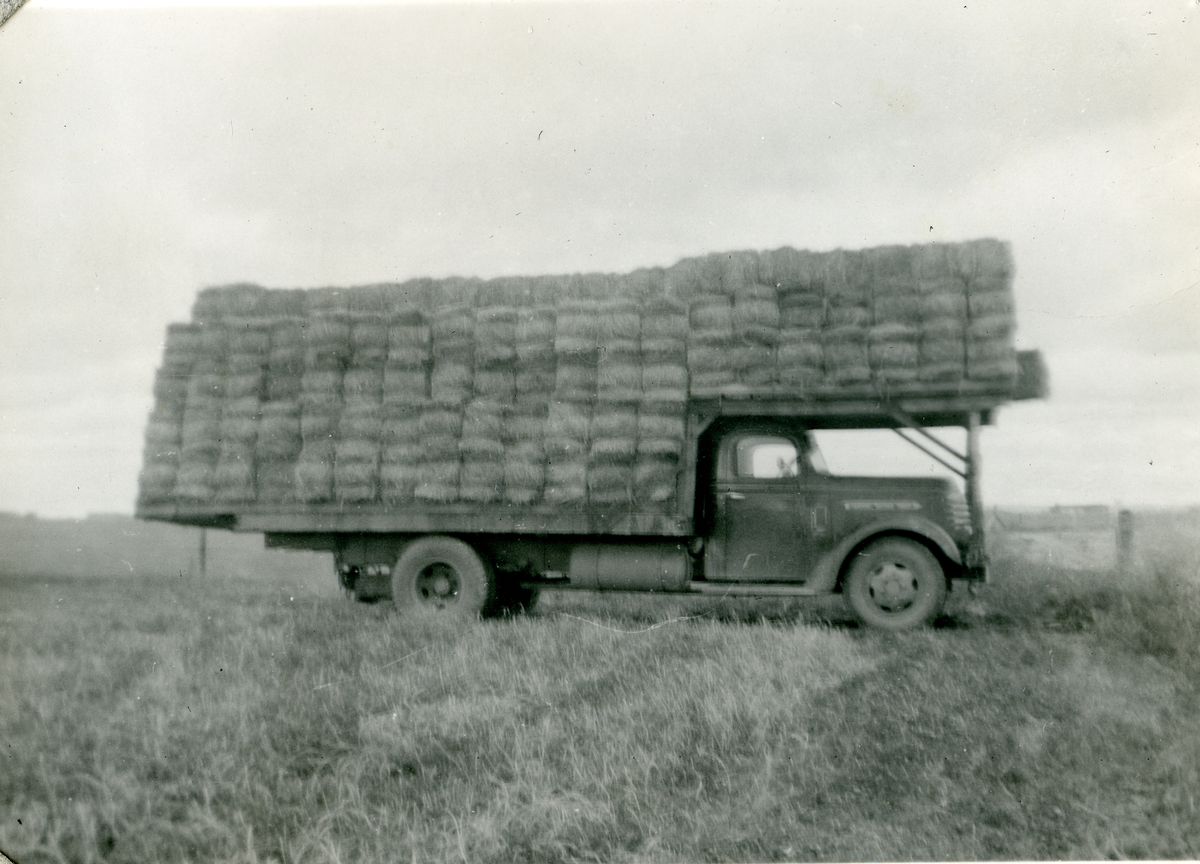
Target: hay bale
{"x":655,"y":425}
{"x":533,"y":339}
{"x":737,"y":270}
{"x":280,"y":433}
{"x":163,"y":433}
{"x":234,"y":481}
{"x":575,"y":381}
{"x":663,"y":318}
{"x":274,"y":480}
{"x":618,"y":320}
{"x":363,"y":383}
{"x":441,"y":419}
{"x":495,"y":335}
{"x":525,"y":423}
{"x":755,"y":315}
{"x":993,"y":327}
{"x":614,"y":420}
{"x":452,"y":324}
{"x":713,"y":314}
{"x":483,"y":419}
{"x":664,"y":351}
{"x":985,"y":258}
{"x":845,"y":278}
{"x":403,"y":384}
{"x":566,"y":483}
{"x":943,"y":328}
{"x":156,"y":481}
{"x":170,"y":388}
{"x":753,"y":364}
{"x":659,"y":448}
{"x":664,"y":384}
{"x":619,"y":379}
{"x":361,"y":450}
{"x":400,"y":423}
{"x":437,"y":482}
{"x":610,"y":484}
{"x":943,"y":307}
{"x":655,"y":481}
{"x":397,"y":481}
{"x":480,"y":449}
{"x":846,"y":359}
{"x":481,"y":482}
{"x":898,"y":309}
{"x":243,"y":364}
{"x":410,"y":329}
{"x":255,"y":341}
{"x":363,"y":420}
{"x":496,"y":383}
{"x":990,"y":304}
{"x":402,"y":453}
{"x":942,"y":351}
{"x":942,"y":283}
{"x":612,"y":450}
{"x":317,"y":425}
{"x":577,"y":329}
{"x":525,"y":466}
{"x":837,"y":317}
{"x":282,"y":388}
{"x":535,"y":380}
{"x":194,"y":481}
{"x":451,"y":381}
{"x":183,"y":340}
{"x":439,"y":448}
{"x":369,"y":335}
{"x":204,"y":388}
{"x":322,"y":381}
{"x":243,"y":386}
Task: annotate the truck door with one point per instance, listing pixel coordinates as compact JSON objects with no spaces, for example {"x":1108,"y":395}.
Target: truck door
{"x":762,"y":513}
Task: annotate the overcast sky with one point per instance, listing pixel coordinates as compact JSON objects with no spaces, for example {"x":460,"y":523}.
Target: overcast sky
{"x":148,"y":152}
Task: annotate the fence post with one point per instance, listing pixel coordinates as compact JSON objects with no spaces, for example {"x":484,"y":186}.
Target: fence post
{"x":1124,"y":541}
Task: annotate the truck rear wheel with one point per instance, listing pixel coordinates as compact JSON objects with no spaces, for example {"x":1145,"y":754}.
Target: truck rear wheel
{"x":442,"y":576}
{"x":895,"y":584}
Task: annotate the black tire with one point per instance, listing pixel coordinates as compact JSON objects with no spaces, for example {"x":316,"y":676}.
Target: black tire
{"x":442,"y":576}
{"x":895,"y":584}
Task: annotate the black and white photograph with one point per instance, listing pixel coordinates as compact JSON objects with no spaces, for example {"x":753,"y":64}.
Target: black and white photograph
{"x":617,"y":431}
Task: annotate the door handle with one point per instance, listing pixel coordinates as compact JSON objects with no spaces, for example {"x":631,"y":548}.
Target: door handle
{"x":735,"y":496}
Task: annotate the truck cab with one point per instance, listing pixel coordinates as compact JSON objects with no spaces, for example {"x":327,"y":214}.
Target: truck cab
{"x":773,"y":515}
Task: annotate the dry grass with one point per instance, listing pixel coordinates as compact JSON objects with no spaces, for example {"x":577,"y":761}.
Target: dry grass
{"x":239,"y":721}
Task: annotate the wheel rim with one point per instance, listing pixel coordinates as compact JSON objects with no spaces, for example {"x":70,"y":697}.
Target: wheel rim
{"x":438,"y":585}
{"x":893,"y":587}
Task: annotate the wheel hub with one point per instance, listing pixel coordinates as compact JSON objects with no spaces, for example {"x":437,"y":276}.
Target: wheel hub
{"x":438,"y":584}
{"x":893,"y":586}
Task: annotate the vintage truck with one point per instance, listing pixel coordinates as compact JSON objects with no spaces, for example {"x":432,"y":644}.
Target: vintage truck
{"x":459,"y":445}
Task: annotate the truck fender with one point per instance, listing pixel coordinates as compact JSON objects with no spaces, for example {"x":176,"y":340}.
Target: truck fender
{"x":828,"y":568}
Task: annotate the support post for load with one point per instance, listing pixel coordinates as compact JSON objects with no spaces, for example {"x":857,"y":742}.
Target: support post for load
{"x":203,"y":550}
{"x":977,"y":547}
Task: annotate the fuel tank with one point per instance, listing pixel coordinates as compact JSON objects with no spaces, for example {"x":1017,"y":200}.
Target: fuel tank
{"x":629,"y":567}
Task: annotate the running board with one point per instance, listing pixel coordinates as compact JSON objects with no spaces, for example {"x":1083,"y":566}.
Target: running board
{"x":742,"y":589}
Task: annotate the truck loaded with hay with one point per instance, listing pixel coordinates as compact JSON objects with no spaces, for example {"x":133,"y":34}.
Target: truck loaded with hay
{"x":459,"y":444}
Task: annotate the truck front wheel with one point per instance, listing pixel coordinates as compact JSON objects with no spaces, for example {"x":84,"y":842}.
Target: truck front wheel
{"x":442,"y":576}
{"x":895,"y":584}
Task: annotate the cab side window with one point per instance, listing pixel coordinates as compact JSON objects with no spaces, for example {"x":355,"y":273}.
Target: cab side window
{"x":766,"y":457}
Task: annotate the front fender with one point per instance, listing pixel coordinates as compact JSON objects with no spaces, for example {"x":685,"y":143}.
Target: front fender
{"x":829,"y":566}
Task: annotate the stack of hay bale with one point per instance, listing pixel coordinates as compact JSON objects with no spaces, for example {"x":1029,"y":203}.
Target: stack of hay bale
{"x":161,"y":456}
{"x":560,"y":391}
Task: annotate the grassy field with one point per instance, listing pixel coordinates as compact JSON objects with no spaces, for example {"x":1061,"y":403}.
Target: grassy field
{"x":1056,"y":715}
